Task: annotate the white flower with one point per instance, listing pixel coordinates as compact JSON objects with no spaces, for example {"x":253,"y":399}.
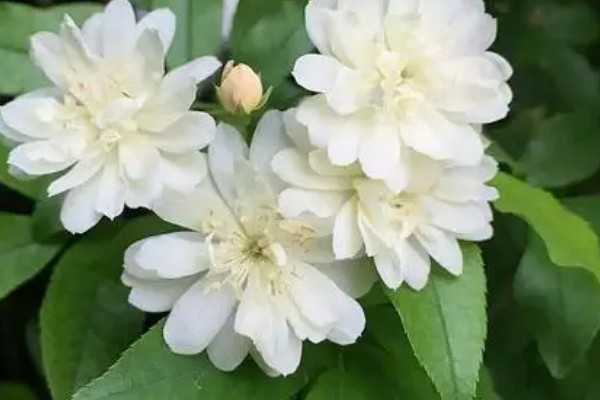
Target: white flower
{"x":114,"y":119}
{"x":245,"y":279}
{"x":443,"y":203}
{"x":400,"y":74}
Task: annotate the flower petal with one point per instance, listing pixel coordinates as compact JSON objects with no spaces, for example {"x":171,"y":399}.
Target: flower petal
{"x":347,"y":240}
{"x":193,"y":131}
{"x":162,"y":20}
{"x":228,"y":349}
{"x":78,"y":213}
{"x":443,"y":247}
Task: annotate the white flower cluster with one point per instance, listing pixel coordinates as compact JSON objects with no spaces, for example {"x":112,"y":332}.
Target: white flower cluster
{"x":385,"y":162}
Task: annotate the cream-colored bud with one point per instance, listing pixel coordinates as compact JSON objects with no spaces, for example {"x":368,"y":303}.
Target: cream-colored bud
{"x":241,"y":89}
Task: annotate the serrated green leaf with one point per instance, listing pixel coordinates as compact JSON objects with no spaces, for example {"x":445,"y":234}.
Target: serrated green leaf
{"x":410,"y":377}
{"x":149,"y":370}
{"x":33,"y":189}
{"x":569,"y":239}
{"x":562,"y":305}
{"x":446,"y":326}
{"x":12,"y":391}
{"x":86,"y":320}
{"x":199,"y":29}
{"x":563,"y":150}
{"x":19,"y":22}
{"x":20,"y":257}
{"x":269,"y":36}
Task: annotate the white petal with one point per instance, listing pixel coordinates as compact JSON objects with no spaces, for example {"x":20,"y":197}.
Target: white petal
{"x":92,"y":31}
{"x":321,"y":163}
{"x":46,"y":52}
{"x":156,"y":295}
{"x":223,"y":153}
{"x":295,"y":202}
{"x":454,"y":217}
{"x":354,"y":277}
{"x":443,"y":247}
{"x":317,"y":73}
{"x":347,"y":240}
{"x":176,"y":94}
{"x":197,"y":318}
{"x":173,"y":255}
{"x":119,"y":29}
{"x":163,"y":21}
{"x":269,"y":138}
{"x":78,"y":213}
{"x":415,"y":264}
{"x":228,"y":349}
{"x":78,"y":175}
{"x":25,"y":116}
{"x":193,"y":131}
{"x":380,"y":153}
{"x":40,"y":158}
{"x":182,"y":172}
{"x":293,"y":167}
{"x":110,"y":200}
{"x":389,"y":269}
{"x":317,"y":23}
{"x":138,"y":157}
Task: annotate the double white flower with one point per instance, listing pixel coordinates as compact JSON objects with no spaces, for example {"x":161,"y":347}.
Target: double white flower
{"x":246,"y":279}
{"x":395,"y":75}
{"x":114,"y":118}
{"x":441,"y":204}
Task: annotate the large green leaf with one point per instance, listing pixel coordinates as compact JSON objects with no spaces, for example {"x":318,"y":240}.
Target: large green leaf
{"x":446,"y":326}
{"x":19,"y":22}
{"x":86,"y":320}
{"x":199,"y":26}
{"x":149,"y":370}
{"x":563,"y":150}
{"x":20,"y":257}
{"x":562,"y":305}
{"x":30,"y":188}
{"x":269,"y":36}
{"x":410,"y":377}
{"x":11,"y":391}
{"x":569,"y":239}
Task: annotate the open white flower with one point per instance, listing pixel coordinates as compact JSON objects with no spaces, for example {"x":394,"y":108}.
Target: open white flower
{"x":245,"y":279}
{"x":442,"y":204}
{"x":401,"y":74}
{"x":120,"y":125}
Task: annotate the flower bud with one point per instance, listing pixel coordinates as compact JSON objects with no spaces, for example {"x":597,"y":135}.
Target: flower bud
{"x":241,"y":89}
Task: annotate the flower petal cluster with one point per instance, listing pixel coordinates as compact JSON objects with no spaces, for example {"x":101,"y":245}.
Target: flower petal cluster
{"x":442,"y":204}
{"x":396,"y":76}
{"x":245,"y":279}
{"x":116,"y":127}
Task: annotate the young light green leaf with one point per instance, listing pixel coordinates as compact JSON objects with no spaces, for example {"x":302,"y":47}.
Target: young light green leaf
{"x":86,"y":320}
{"x":269,"y":36}
{"x":199,"y":28}
{"x":12,"y":391}
{"x":563,"y":150}
{"x":150,"y":370}
{"x":410,"y":377}
{"x":562,"y":307}
{"x":19,"y":22}
{"x":569,"y":239}
{"x":446,"y":326}
{"x":33,"y":189}
{"x":20,"y":257}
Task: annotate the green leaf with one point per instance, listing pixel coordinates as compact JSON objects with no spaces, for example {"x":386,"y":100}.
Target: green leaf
{"x":361,"y":374}
{"x":86,"y":320}
{"x":446,"y":326}
{"x":19,"y":22}
{"x":485,"y":386}
{"x":269,"y":36}
{"x":562,"y":305}
{"x":575,"y":24}
{"x":149,"y":370}
{"x":20,"y":257}
{"x":47,"y":226}
{"x":563,"y":150}
{"x":199,"y":26}
{"x":410,"y":377}
{"x":569,"y":239}
{"x":11,"y":391}
{"x":30,"y":188}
